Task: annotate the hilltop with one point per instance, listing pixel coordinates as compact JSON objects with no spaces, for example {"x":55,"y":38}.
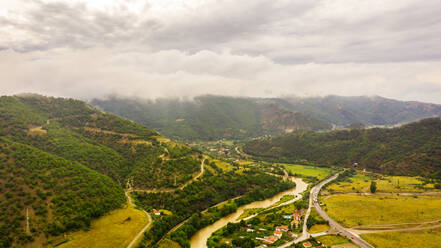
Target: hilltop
{"x":212,"y":117}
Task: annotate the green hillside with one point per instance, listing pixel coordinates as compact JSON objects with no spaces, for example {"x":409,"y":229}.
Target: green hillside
{"x":413,"y":149}
{"x":65,"y":163}
{"x":343,"y":111}
{"x":211,"y":117}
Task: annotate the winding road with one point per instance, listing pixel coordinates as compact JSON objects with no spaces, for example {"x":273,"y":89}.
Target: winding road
{"x":136,"y":238}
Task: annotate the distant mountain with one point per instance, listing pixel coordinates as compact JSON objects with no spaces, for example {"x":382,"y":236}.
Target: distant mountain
{"x":212,"y":117}
{"x":64,"y":163}
{"x":343,"y":111}
{"x":412,"y":149}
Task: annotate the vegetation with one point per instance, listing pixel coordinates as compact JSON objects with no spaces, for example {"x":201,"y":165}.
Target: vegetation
{"x":116,"y":229}
{"x":373,"y":187}
{"x":314,"y":173}
{"x":428,"y":238}
{"x":316,"y":223}
{"x":359,"y":110}
{"x":330,"y":240}
{"x":58,"y":195}
{"x":211,"y":117}
{"x":253,"y":184}
{"x":66,"y":163}
{"x":400,"y":151}
{"x":357,"y":181}
{"x":356,"y":210}
{"x":244,"y":233}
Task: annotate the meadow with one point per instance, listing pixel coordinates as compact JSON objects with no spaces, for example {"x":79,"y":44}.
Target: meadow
{"x":356,"y":210}
{"x":427,"y":239}
{"x":308,"y":171}
{"x":117,"y":229}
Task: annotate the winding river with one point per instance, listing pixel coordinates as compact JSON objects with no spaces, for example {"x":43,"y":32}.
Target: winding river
{"x":199,"y":239}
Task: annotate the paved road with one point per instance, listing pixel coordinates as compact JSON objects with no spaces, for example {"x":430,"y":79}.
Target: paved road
{"x":343,"y":231}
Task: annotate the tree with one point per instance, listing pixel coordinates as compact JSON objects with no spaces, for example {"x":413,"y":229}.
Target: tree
{"x":373,"y":187}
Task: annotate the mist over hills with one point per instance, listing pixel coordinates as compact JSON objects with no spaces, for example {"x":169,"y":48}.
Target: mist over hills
{"x":216,"y":117}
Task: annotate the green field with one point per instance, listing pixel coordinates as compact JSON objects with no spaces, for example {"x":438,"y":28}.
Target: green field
{"x":308,"y":171}
{"x":112,"y":230}
{"x":330,"y":240}
{"x":360,"y":182}
{"x":356,"y":210}
{"x":427,"y":239}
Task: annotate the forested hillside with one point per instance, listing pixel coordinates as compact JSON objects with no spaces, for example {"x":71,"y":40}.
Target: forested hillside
{"x":65,"y":163}
{"x":413,"y":149}
{"x":211,"y":117}
{"x":343,"y":111}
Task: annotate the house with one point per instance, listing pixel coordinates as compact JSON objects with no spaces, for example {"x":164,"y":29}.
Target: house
{"x":278,"y":234}
{"x":282,"y":228}
{"x":307,"y":244}
{"x":156,"y":212}
{"x":270,"y":240}
{"x":297,"y":218}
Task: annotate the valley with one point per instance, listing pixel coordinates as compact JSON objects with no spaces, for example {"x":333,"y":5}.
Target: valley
{"x":141,"y":189}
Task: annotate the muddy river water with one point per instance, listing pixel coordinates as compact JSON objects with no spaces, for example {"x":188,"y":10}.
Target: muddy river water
{"x":199,"y":239}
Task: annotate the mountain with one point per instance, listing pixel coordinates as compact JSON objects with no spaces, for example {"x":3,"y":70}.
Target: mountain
{"x":64,"y":163}
{"x":211,"y":117}
{"x":412,"y":149}
{"x":343,"y":111}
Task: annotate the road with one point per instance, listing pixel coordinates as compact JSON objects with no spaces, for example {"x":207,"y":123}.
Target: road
{"x":136,"y":238}
{"x":313,"y":202}
{"x":342,"y":231}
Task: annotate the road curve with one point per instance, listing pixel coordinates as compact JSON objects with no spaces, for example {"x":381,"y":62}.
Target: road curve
{"x":342,"y":231}
{"x":136,"y":238}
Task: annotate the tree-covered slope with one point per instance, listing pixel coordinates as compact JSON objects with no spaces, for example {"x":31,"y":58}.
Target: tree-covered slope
{"x":66,"y":162}
{"x":211,"y":117}
{"x":342,"y":111}
{"x":412,"y":149}
{"x":56,"y":194}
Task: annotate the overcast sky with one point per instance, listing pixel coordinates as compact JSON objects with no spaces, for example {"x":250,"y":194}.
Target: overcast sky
{"x":160,"y":48}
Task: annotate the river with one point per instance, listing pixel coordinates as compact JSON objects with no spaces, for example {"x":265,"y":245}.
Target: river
{"x":199,"y":239}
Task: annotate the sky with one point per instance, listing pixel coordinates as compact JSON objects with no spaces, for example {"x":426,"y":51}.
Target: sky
{"x":183,"y":48}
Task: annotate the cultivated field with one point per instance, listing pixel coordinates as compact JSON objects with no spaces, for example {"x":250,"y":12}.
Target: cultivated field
{"x":308,"y":171}
{"x":356,"y":210}
{"x":112,"y":230}
{"x":427,"y":239}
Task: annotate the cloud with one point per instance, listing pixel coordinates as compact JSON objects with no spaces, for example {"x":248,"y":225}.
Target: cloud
{"x":101,"y":72}
{"x":251,"y":47}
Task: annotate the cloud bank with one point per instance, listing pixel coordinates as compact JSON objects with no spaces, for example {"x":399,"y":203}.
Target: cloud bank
{"x":176,"y":48}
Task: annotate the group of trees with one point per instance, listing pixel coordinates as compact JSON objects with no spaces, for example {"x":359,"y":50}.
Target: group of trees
{"x":412,"y":149}
{"x":252,"y":184}
{"x":75,"y":167}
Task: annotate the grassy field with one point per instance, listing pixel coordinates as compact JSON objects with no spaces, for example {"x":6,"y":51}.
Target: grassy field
{"x":317,"y":227}
{"x":355,"y":210}
{"x":361,"y":182}
{"x":330,"y":240}
{"x":308,"y":171}
{"x":112,"y":230}
{"x":167,"y":243}
{"x":427,"y":239}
